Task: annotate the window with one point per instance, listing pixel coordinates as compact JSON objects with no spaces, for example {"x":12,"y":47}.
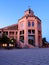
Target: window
{"x":39,"y":32}
{"x":29,"y":24}
{"x":22,"y":32}
{"x":3,"y":32}
{"x":29,"y":31}
{"x":12,"y":33}
{"x":16,"y":33}
{"x":33,"y":31}
{"x":32,"y":23}
{"x":6,"y":33}
{"x":22,"y":39}
{"x":0,"y":31}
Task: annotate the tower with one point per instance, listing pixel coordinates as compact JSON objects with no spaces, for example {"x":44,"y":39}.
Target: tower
{"x":29,"y":29}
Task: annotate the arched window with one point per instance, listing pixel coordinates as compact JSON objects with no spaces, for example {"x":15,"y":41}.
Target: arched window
{"x":29,"y":24}
{"x":32,"y":23}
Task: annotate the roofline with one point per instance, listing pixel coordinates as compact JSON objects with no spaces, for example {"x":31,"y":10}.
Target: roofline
{"x":9,"y":26}
{"x":21,"y":18}
{"x":29,"y":16}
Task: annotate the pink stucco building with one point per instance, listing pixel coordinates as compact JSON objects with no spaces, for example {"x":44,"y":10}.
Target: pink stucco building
{"x":27,"y":32}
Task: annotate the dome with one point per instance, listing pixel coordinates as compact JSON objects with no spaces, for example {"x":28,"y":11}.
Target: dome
{"x":29,"y":12}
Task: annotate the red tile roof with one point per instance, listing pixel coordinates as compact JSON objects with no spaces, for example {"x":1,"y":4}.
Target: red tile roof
{"x":11,"y":27}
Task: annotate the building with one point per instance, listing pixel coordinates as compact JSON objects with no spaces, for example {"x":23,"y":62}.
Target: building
{"x":27,"y":32}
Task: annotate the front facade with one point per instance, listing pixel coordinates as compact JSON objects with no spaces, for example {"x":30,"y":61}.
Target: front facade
{"x":28,"y":30}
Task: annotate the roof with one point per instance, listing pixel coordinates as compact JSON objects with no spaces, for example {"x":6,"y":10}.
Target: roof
{"x":11,"y":27}
{"x":30,"y":16}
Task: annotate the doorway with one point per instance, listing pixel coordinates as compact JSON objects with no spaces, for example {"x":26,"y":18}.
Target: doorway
{"x":31,"y":39}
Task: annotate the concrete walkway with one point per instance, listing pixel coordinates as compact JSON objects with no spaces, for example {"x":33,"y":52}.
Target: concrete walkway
{"x":35,"y":56}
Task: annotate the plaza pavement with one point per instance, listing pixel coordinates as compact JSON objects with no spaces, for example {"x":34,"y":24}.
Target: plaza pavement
{"x":35,"y":56}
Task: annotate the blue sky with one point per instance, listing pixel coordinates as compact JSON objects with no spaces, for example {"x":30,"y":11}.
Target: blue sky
{"x":12,"y":10}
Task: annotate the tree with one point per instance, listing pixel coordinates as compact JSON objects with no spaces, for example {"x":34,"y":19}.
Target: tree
{"x":5,"y":39}
{"x":44,"y":41}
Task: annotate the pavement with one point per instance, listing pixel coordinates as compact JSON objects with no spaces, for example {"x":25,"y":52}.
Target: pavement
{"x":35,"y":56}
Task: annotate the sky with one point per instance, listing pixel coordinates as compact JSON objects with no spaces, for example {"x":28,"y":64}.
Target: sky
{"x":12,"y":10}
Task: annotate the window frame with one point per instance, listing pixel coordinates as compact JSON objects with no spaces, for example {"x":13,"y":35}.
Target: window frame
{"x":29,"y":23}
{"x":32,"y":23}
